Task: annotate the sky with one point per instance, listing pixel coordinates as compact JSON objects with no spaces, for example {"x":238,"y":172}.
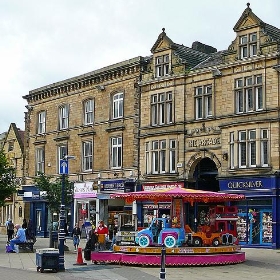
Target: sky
{"x":43,"y":42}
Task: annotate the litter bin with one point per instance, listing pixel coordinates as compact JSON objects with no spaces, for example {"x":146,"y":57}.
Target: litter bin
{"x":47,"y":258}
{"x":54,"y":239}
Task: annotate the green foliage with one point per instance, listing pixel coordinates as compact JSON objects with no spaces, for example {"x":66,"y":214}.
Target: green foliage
{"x":7,"y":179}
{"x":52,"y":187}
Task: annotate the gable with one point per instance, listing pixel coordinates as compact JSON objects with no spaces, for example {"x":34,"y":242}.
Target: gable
{"x":163,"y":42}
{"x":247,"y":20}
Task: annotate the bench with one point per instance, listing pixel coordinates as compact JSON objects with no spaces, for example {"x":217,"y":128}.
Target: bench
{"x":26,"y":247}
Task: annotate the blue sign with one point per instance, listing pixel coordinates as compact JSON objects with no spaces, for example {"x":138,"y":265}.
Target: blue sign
{"x":63,"y":166}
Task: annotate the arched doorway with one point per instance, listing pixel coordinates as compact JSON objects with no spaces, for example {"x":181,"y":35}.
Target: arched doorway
{"x":205,"y":174}
{"x":204,"y":177}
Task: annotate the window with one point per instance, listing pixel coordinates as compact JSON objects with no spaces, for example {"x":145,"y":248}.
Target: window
{"x":40,"y":160}
{"x":161,"y":108}
{"x":172,"y":156}
{"x":203,"y":102}
{"x":249,"y":94}
{"x":231,"y":149}
{"x":61,"y":152}
{"x":41,"y":122}
{"x":248,"y":45}
{"x":161,"y":156}
{"x":252,"y":148}
{"x":116,"y":152}
{"x":87,"y":155}
{"x":118,"y":105}
{"x":10,"y":146}
{"x":63,"y":117}
{"x":162,"y":65}
{"x":264,"y":147}
{"x":88,"y":112}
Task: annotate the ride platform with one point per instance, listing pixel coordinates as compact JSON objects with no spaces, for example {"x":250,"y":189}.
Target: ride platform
{"x":179,"y":256}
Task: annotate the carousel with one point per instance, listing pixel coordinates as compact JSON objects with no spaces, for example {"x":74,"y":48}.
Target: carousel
{"x":214,"y":243}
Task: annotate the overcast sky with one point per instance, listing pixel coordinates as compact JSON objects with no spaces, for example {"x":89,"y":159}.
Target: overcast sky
{"x":42,"y":42}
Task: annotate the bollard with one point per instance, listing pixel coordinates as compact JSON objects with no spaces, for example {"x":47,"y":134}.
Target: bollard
{"x":162,"y":263}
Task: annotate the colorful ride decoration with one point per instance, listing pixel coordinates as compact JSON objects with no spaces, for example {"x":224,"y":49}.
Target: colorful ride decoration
{"x":183,"y":245}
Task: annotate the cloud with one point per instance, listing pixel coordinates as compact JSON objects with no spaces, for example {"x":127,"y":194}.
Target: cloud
{"x":43,"y":42}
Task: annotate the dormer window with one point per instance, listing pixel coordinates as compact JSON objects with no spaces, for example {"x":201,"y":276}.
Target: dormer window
{"x":162,"y":65}
{"x":248,"y":45}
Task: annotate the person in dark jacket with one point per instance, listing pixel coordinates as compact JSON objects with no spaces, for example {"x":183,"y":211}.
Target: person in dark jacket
{"x":76,"y":235}
{"x":24,"y":224}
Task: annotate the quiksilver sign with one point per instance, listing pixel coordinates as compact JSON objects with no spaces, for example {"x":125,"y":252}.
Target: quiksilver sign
{"x":245,"y":185}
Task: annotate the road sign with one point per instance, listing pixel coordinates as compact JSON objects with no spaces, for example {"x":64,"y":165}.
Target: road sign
{"x":63,"y":166}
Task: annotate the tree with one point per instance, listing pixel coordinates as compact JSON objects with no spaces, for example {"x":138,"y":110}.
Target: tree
{"x":7,"y":179}
{"x":52,"y":187}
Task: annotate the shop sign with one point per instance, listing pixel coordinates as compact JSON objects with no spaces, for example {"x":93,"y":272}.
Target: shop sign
{"x":112,"y":186}
{"x":204,"y":142}
{"x":247,"y":184}
{"x":161,"y":186}
{"x":84,"y":190}
{"x":158,"y":206}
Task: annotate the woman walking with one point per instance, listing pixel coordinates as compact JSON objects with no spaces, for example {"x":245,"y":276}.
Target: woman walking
{"x":76,"y":235}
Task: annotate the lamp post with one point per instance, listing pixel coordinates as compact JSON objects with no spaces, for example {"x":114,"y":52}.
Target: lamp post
{"x":63,"y":170}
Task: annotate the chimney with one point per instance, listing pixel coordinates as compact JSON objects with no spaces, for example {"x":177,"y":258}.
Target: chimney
{"x":203,"y":48}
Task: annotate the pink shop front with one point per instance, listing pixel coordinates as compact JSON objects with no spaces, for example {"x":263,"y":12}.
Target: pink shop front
{"x":84,"y":203}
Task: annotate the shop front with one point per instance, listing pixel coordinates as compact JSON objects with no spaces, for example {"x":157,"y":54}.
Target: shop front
{"x":84,"y":203}
{"x":38,"y":209}
{"x":109,"y":209}
{"x":258,"y":215}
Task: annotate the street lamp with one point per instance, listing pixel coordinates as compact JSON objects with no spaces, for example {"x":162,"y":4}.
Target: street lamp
{"x":63,"y":170}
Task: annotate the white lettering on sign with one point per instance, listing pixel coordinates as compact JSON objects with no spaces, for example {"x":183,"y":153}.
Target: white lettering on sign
{"x":155,"y":187}
{"x":245,"y":185}
{"x":204,"y":142}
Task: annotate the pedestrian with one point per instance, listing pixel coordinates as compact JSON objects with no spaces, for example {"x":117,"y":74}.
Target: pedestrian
{"x":24,"y":224}
{"x":76,"y":235}
{"x":19,"y":238}
{"x":29,"y":232}
{"x":102,"y":233}
{"x":10,"y":229}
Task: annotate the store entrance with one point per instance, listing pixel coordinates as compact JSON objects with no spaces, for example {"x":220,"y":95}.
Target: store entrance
{"x":205,"y":174}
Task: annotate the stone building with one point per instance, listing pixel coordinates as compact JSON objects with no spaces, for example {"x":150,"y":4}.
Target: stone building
{"x":188,"y":116}
{"x":210,"y":121}
{"x":13,"y":148}
{"x":93,"y":117}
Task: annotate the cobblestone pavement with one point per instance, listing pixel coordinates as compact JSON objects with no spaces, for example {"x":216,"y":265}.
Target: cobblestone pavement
{"x":259,"y":264}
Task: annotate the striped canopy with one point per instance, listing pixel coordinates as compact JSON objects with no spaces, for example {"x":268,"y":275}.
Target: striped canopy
{"x":188,"y":195}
